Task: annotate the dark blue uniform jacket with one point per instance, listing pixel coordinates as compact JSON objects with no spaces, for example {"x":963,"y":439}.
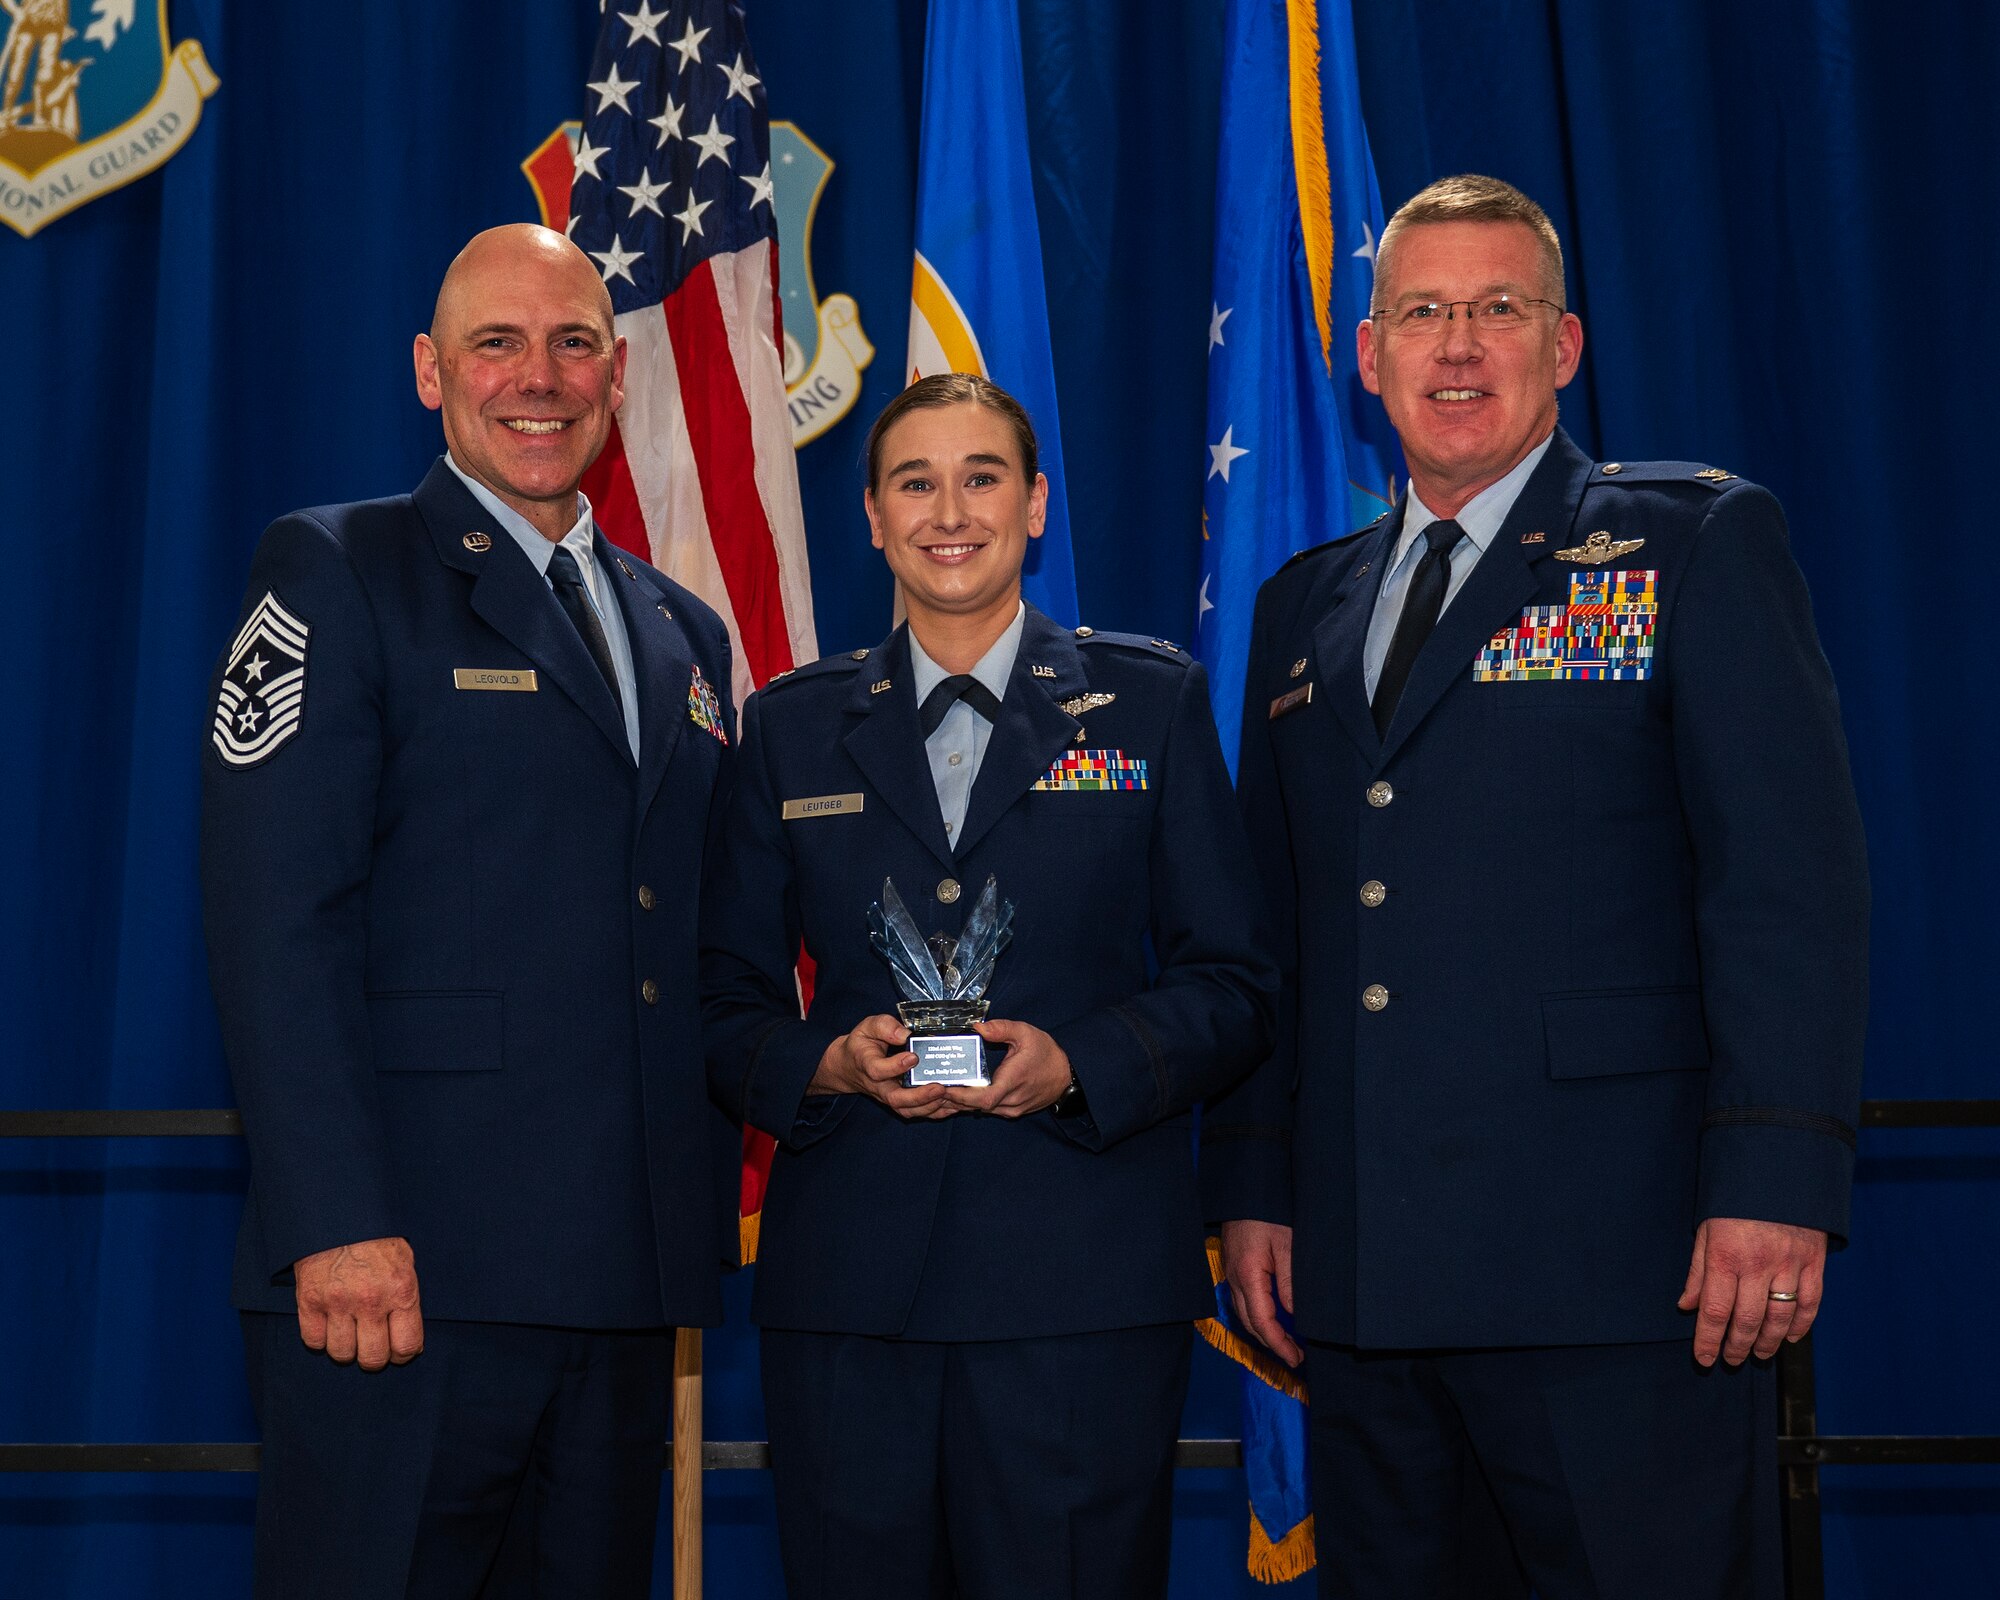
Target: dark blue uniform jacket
{"x":436,"y":912}
{"x":1621,"y":926}
{"x":1133,"y":946}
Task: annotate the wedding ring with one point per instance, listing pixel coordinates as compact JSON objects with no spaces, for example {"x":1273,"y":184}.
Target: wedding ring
{"x":1782,"y":1294}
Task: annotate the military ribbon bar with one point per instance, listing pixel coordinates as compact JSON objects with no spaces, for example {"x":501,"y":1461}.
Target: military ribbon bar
{"x":1085,"y":770}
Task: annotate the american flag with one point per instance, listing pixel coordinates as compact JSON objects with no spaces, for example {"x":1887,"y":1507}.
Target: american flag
{"x":671,"y":197}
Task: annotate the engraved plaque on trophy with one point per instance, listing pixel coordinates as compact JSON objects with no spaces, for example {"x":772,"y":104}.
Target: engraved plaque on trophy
{"x":944,"y":982}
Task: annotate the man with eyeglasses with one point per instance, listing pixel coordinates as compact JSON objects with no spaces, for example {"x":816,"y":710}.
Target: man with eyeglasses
{"x":1544,"y":775}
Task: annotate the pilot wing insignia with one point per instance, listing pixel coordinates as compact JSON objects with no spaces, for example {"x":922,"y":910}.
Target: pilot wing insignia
{"x":1077,"y":704}
{"x":1599,"y":548}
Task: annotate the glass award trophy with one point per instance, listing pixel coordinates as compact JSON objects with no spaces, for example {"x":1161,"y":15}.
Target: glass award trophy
{"x":944,"y":982}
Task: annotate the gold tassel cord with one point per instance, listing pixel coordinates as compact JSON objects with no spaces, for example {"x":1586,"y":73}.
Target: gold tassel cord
{"x":1315,"y":182}
{"x":1291,"y":1557}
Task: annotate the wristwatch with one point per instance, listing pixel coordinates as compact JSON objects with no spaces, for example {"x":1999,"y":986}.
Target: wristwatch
{"x":1070,"y":1103}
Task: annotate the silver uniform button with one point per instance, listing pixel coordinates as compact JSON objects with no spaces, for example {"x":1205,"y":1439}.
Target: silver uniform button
{"x":649,"y":991}
{"x":1373,"y":894}
{"x":1611,"y":469}
{"x":1380,"y":794}
{"x":646,"y":900}
{"x":947,"y":891}
{"x":1375,"y":997}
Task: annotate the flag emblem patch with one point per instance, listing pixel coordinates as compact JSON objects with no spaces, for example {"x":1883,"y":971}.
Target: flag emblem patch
{"x":1605,"y":633}
{"x":704,"y":708}
{"x":1084,"y":770}
{"x":263,"y":693}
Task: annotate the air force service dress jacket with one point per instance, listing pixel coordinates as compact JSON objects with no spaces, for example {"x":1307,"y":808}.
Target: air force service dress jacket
{"x":1103,"y":810}
{"x":1575,"y":956}
{"x":452,"y":925}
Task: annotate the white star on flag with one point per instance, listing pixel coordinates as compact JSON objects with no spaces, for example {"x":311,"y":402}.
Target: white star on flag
{"x":1203,"y":605}
{"x":714,"y":144}
{"x":617,"y":262}
{"x":613,"y":90}
{"x":760,"y":186}
{"x":644,"y":23}
{"x":741,"y":80}
{"x":1220,"y":455}
{"x":586,"y":158}
{"x":645,"y":194}
{"x":1216,"y":318}
{"x":1366,"y":249}
{"x":690,"y":219}
{"x":689,"y":45}
{"x":668,"y":121}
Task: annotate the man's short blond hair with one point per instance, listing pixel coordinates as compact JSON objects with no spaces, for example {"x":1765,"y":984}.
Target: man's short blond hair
{"x":1469,"y":197}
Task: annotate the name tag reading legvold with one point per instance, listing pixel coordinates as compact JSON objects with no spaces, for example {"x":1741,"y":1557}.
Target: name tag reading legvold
{"x":518,"y":680}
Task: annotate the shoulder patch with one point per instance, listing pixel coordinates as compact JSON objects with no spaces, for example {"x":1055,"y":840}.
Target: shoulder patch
{"x":1134,"y":641}
{"x":263,"y":695}
{"x":1656,"y":472}
{"x":826,"y":666}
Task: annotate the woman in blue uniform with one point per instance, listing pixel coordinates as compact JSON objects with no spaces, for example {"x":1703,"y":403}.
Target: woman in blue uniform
{"x":976,"y":1301}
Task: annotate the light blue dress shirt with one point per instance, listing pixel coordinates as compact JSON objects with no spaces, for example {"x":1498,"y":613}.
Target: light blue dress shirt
{"x":1481,"y":518}
{"x":959,"y":744}
{"x":596,"y":584}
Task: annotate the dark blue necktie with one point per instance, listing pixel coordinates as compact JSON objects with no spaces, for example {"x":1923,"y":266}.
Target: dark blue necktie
{"x":575,"y":599}
{"x":1421,"y":604}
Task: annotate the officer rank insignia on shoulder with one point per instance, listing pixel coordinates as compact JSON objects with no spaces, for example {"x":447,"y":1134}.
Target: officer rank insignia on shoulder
{"x":263,"y":694}
{"x":1083,"y":770}
{"x":1605,"y":633}
{"x":704,"y":707}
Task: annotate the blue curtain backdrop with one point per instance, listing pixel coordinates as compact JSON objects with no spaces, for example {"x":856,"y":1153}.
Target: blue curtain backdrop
{"x":1781,"y":223}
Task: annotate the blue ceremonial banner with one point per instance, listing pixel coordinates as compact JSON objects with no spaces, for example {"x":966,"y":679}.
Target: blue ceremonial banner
{"x":977,"y":302}
{"x":1298,"y":452}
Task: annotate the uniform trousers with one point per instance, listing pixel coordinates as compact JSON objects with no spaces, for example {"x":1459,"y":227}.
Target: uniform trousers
{"x":1016,"y":1469}
{"x":505,"y":1462}
{"x":1621,"y":1472}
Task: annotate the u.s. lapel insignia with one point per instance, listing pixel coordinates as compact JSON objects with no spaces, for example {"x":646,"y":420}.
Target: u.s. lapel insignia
{"x":1077,"y":704}
{"x":1533,"y":538}
{"x":704,"y":708}
{"x":1043,"y":672}
{"x":881,"y":686}
{"x":478,"y":543}
{"x":622,"y":567}
{"x":1599,"y":548}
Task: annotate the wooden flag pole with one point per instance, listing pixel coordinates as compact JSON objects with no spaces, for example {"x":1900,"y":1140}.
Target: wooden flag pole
{"x":687,"y":1464}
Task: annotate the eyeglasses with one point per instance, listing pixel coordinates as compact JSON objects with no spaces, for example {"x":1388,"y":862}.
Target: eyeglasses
{"x":1500,"y":313}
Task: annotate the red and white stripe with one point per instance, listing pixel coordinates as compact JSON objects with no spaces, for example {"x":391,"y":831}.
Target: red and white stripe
{"x":699,"y":476}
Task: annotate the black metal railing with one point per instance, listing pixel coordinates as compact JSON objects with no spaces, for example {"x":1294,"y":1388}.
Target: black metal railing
{"x":1803,"y":1451}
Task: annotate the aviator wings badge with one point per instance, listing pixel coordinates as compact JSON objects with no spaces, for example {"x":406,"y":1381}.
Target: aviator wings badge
{"x":1599,"y":548}
{"x":1076,"y":705}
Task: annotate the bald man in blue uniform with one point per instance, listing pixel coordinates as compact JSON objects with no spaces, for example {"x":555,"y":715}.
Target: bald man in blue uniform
{"x":457,"y":794}
{"x":976,"y":1303}
{"x":1544,"y":774}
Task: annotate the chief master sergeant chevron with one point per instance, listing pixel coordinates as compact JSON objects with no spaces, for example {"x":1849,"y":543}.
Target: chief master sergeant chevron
{"x":456,"y":798}
{"x":1544,"y":773}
